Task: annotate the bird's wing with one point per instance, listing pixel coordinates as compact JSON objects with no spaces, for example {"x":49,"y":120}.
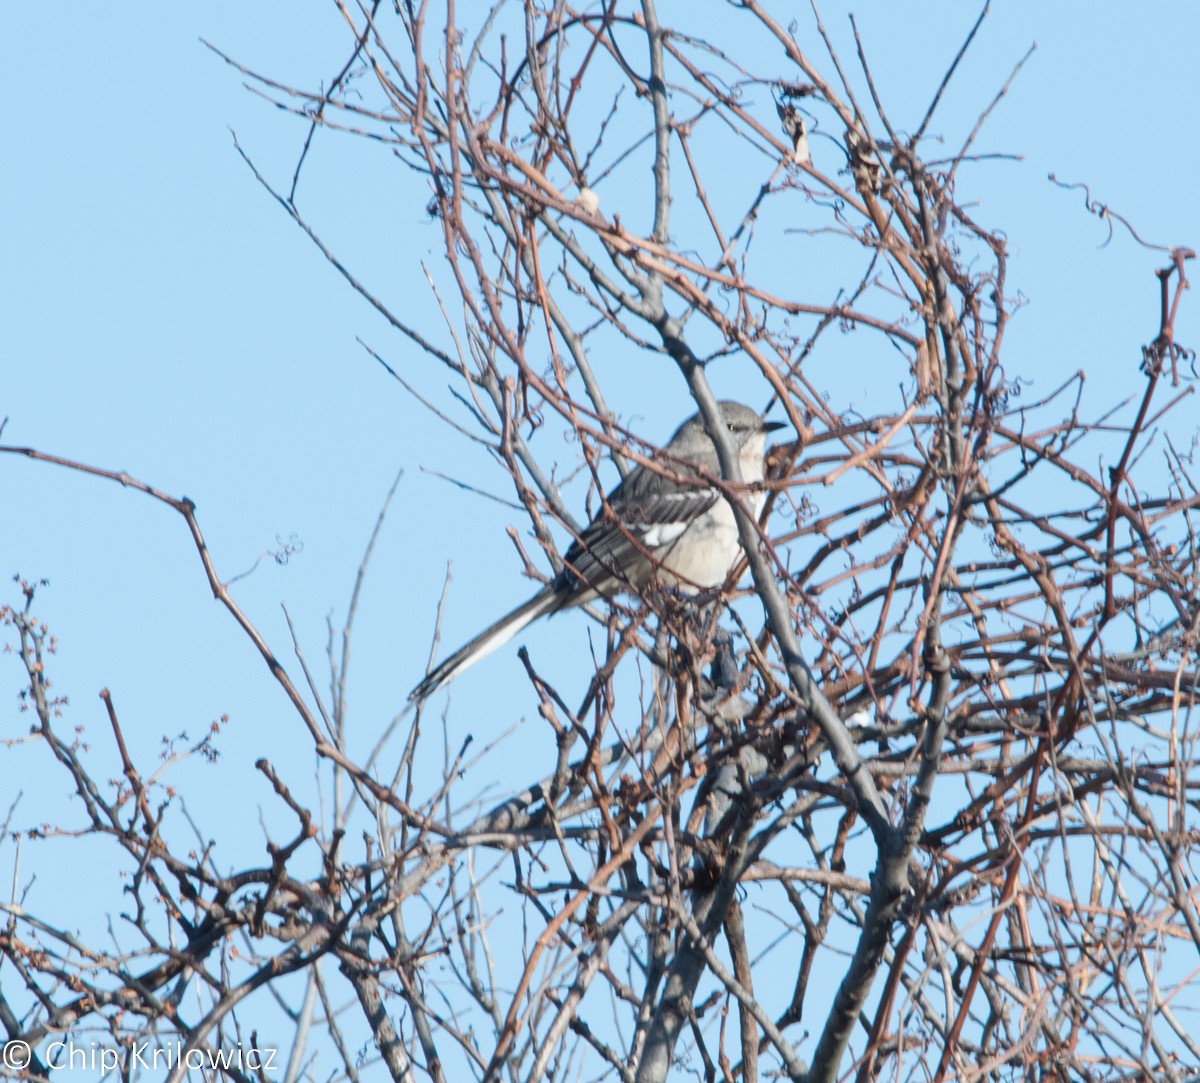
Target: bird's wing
{"x":637,"y":521}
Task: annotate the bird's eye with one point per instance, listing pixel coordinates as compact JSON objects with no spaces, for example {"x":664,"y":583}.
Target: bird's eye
{"x":729,"y":425}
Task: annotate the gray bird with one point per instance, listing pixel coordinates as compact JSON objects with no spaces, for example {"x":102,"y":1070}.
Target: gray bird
{"x":674,"y":525}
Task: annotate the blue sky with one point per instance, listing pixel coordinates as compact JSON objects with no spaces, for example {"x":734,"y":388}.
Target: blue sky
{"x":163,"y":316}
{"x":160,"y":314}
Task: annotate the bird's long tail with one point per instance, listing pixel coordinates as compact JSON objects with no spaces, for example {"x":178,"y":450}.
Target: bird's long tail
{"x":545,"y":601}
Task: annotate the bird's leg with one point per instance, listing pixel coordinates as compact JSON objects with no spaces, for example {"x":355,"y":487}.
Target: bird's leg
{"x":723,"y":672}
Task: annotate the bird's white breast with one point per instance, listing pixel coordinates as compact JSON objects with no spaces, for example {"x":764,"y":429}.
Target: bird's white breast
{"x":703,"y":554}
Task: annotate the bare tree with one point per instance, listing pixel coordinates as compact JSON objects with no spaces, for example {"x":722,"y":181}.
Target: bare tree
{"x":942,"y":760}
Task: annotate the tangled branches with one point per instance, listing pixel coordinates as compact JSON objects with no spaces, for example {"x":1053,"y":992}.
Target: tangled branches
{"x":949,"y":769}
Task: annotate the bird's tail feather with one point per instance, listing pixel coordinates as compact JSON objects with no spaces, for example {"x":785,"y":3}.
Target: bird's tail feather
{"x":545,"y":601}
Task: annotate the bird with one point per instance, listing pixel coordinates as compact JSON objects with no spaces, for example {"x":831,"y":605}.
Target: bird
{"x":672,"y":523}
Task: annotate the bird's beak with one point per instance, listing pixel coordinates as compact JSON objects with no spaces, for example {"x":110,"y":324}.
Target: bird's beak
{"x":773,"y":426}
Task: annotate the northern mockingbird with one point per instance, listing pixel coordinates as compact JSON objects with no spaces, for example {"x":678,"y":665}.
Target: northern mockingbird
{"x":674,"y":524}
